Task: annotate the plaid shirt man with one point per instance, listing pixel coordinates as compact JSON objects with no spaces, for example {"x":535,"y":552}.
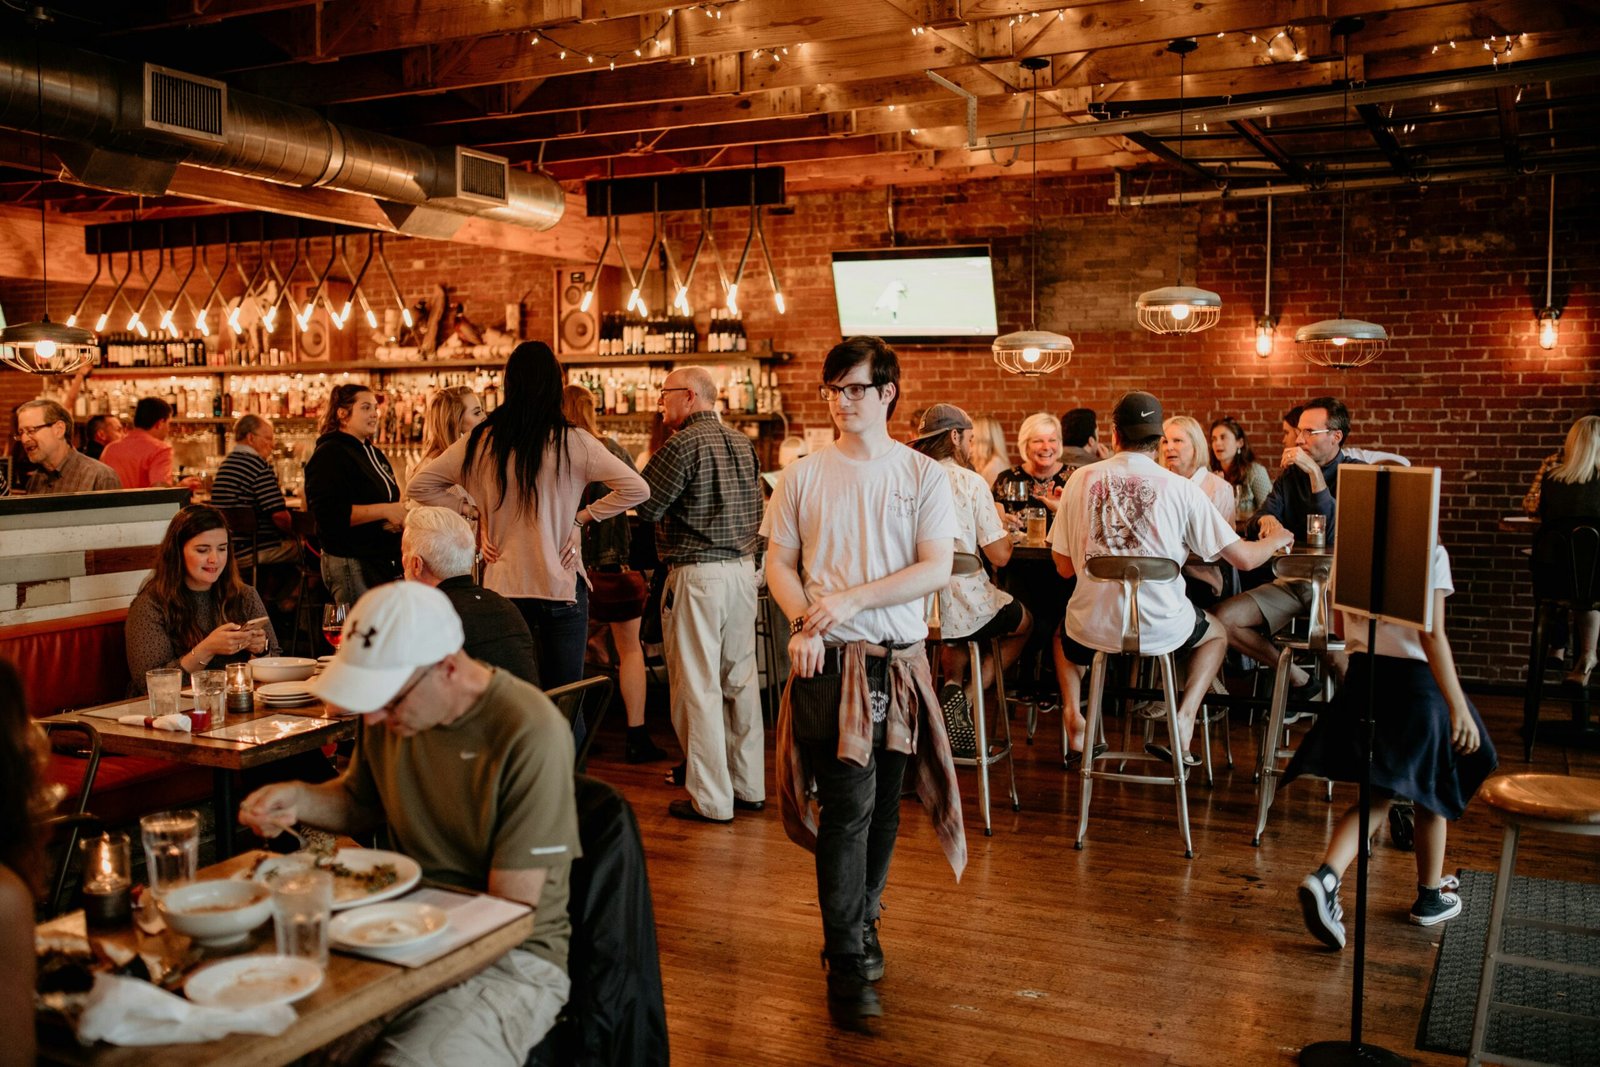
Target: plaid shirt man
{"x":705,"y":493}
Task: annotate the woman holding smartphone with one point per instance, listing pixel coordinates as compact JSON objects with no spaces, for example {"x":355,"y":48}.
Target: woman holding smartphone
{"x":193,"y":612}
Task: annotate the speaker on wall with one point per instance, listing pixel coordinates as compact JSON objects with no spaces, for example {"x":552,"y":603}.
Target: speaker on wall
{"x":578,"y":331}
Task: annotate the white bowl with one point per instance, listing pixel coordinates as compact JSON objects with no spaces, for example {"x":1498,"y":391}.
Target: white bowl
{"x":220,"y":912}
{"x":282,"y":668}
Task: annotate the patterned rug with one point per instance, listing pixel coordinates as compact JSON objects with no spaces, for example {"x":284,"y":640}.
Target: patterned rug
{"x":1548,"y":1017}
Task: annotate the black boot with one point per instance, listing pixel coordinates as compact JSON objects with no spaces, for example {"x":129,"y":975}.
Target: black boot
{"x":640,"y":748}
{"x":851,"y":998}
{"x":871,"y":952}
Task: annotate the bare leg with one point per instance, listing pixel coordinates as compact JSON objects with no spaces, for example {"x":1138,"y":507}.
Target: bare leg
{"x":630,"y":668}
{"x":1344,"y":843}
{"x":1069,"y":678}
{"x":1431,"y":830}
{"x":1204,"y":664}
{"x":1242,"y":618}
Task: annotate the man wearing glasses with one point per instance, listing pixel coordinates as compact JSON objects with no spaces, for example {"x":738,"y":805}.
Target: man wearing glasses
{"x":705,"y":499}
{"x":1306,"y":486}
{"x":858,"y":535}
{"x":46,"y":431}
{"x":471,"y":768}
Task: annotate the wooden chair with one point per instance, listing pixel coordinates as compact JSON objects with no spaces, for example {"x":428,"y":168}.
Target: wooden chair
{"x":585,"y":701}
{"x":1132,"y":572}
{"x":1566,"y":577}
{"x":1553,"y":803}
{"x":1274,"y":742}
{"x":982,"y":757}
{"x":242,"y":522}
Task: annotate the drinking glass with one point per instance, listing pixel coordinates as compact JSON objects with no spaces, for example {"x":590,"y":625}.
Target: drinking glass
{"x":333,"y":624}
{"x":210,"y":698}
{"x":1038,"y":525}
{"x":1316,"y":530}
{"x":302,"y":903}
{"x":163,"y":685}
{"x":171,"y":848}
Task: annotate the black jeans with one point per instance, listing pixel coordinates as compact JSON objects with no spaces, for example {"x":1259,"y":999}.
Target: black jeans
{"x":855,"y":839}
{"x":560,"y":636}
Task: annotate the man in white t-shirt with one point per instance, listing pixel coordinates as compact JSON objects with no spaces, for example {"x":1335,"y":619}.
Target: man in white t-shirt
{"x":858,"y":535}
{"x":971,"y":607}
{"x":1129,"y":505}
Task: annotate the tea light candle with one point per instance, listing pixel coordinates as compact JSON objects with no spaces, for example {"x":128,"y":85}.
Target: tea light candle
{"x":240,"y":689}
{"x":106,"y":881}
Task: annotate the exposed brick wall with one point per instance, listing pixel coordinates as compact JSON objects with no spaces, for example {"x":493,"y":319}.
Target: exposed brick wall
{"x":1454,"y":272}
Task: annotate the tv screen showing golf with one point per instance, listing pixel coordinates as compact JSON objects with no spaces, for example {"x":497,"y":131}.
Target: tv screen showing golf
{"x":943,"y":294}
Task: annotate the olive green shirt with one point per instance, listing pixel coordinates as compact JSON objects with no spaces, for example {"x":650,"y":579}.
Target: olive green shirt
{"x":493,"y":789}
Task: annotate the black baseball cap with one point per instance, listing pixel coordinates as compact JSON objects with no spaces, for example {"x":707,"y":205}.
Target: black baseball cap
{"x":1137,"y":416}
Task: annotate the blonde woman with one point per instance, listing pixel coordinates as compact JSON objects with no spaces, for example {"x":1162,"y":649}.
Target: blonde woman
{"x":1571,"y":497}
{"x":1040,"y":475}
{"x":1184,"y":452}
{"x":990,"y":456}
{"x":452,"y":412}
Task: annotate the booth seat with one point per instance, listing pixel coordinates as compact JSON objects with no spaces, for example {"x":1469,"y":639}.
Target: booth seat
{"x":79,"y":662}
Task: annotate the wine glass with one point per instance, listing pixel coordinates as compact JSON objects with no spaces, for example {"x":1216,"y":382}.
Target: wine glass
{"x":333,"y":623}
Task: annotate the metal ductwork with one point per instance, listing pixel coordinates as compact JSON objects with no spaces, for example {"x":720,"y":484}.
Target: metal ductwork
{"x":129,"y":126}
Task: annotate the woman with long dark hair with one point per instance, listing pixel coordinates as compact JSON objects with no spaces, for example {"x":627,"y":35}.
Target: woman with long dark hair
{"x":21,"y":863}
{"x":191,"y":612}
{"x":1234,"y":459}
{"x":352,"y":492}
{"x":527,"y":466}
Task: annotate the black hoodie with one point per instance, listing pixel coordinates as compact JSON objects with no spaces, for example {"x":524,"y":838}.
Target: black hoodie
{"x":344,"y":470}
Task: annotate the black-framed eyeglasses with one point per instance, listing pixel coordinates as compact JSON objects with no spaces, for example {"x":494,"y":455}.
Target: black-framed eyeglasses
{"x":852,"y":392}
{"x":400,"y":697}
{"x":34,"y":431}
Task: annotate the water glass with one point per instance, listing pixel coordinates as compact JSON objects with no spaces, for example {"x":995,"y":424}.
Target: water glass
{"x":163,"y":685}
{"x":1316,"y":530}
{"x":302,"y":905}
{"x":210,"y":698}
{"x":1038,"y":526}
{"x":171,"y":848}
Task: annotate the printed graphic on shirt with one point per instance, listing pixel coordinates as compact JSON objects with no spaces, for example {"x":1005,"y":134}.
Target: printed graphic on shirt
{"x":1120,"y":515}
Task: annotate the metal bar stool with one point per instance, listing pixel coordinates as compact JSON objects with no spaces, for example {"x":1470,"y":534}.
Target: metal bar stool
{"x":767,"y":657}
{"x":1274,"y":745}
{"x":1554,"y":803}
{"x":1132,"y":571}
{"x":982,"y":758}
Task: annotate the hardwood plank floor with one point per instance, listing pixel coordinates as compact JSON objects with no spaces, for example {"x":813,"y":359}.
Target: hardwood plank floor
{"x":1122,"y":954}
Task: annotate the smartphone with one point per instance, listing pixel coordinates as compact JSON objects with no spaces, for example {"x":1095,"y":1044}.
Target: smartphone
{"x":256,"y":624}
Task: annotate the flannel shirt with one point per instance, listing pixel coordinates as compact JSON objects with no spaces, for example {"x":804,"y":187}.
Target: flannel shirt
{"x":705,"y":493}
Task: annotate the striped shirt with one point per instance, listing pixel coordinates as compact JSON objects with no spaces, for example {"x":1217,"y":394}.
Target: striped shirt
{"x":78,"y":474}
{"x":705,"y":493}
{"x":245,"y":480}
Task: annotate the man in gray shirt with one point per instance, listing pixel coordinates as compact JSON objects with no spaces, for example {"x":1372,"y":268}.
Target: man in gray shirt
{"x":46,"y":431}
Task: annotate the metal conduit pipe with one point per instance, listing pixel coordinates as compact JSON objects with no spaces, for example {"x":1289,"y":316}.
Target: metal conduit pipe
{"x":99,"y":101}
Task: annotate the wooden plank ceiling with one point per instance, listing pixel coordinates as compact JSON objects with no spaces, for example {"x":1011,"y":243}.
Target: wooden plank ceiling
{"x":838,"y":92}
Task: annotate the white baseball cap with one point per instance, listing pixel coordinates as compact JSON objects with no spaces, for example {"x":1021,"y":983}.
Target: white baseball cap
{"x":391,"y":631}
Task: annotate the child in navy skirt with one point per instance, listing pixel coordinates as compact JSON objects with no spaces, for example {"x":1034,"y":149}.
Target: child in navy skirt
{"x":1429,"y":746}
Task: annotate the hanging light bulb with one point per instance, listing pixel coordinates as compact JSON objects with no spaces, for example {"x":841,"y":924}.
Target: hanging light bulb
{"x":1033,"y":351}
{"x":1267,"y":324}
{"x":1548,"y":328}
{"x":1266,"y":331}
{"x":1549,"y":314}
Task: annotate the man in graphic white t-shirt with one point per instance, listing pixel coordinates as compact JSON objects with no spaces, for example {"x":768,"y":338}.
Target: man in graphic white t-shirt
{"x":858,"y":535}
{"x":1129,"y":505}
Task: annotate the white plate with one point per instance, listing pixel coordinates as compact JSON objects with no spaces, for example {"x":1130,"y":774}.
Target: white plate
{"x":407,"y":874}
{"x":325,"y":660}
{"x":383,"y":926}
{"x":283,"y":690}
{"x":253,"y":981}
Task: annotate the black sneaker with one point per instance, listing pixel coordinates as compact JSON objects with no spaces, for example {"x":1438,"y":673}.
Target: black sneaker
{"x":851,"y":998}
{"x":871,"y":952}
{"x":1319,"y":903}
{"x":1434,"y":906}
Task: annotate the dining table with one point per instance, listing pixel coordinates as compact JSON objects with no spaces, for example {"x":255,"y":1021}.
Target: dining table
{"x":241,"y":741}
{"x":355,"y":990}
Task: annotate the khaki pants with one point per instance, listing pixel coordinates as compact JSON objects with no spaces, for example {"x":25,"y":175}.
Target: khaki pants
{"x":708,"y":622}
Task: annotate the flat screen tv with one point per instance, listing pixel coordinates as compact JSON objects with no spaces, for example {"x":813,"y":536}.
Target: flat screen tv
{"x":933,"y":295}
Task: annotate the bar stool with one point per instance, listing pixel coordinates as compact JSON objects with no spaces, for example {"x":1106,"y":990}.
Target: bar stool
{"x":1274,"y":742}
{"x":767,"y":657}
{"x":1554,"y":803}
{"x":1132,"y":572}
{"x":1565,"y":566}
{"x":242,"y":522}
{"x":982,"y":758}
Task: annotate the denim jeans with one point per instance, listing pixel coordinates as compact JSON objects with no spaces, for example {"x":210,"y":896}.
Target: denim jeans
{"x":560,"y":636}
{"x":348,"y":578}
{"x":855,"y":840}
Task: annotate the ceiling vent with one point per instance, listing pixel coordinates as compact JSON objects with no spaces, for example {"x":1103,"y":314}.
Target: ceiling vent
{"x":481,"y":178}
{"x":183,"y":105}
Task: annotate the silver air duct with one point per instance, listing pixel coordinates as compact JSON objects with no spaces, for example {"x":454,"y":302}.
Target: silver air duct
{"x":130,"y":125}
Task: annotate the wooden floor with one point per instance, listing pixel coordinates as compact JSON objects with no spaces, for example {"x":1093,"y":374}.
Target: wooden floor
{"x":1124,"y":953}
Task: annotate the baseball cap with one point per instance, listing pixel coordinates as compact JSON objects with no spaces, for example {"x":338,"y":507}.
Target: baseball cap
{"x":391,"y":631}
{"x":1138,"y":415}
{"x":942,"y":418}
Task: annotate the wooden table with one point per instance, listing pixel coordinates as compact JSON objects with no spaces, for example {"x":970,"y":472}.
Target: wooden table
{"x":224,"y":757}
{"x":354,"y":992}
{"x":1519,"y":523}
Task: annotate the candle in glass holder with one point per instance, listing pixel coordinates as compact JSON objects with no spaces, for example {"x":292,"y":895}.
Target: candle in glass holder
{"x":240,"y":690}
{"x":106,"y":880}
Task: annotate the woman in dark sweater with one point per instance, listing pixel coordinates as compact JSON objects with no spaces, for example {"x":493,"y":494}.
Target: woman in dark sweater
{"x":352,"y":492}
{"x":23,"y":805}
{"x":1571,"y":497}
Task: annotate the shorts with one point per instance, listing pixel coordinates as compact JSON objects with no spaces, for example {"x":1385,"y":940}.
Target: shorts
{"x":1281,"y":602}
{"x":1083,"y":655}
{"x":1004,"y":623}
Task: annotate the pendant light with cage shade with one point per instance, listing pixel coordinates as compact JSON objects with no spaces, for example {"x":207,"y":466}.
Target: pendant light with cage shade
{"x":1033,"y":352}
{"x":45,"y":347}
{"x":1342,"y":343}
{"x":1180,"y":308}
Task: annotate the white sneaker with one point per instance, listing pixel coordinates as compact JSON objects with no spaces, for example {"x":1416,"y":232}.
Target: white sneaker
{"x":1319,"y":904}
